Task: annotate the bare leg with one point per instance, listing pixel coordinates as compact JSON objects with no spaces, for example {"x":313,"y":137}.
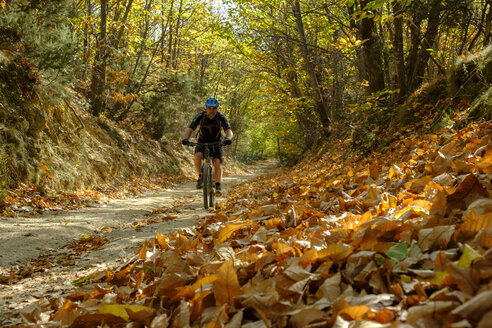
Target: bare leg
{"x":217,"y":170}
{"x":198,"y":162}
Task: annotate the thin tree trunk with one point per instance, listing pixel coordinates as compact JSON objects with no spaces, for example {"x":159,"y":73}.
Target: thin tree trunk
{"x":171,"y":35}
{"x":398,"y":49}
{"x":87,"y":43}
{"x":130,"y":85}
{"x":98,"y":84}
{"x":142,"y":81}
{"x":417,"y":76}
{"x":321,"y":107}
{"x":164,"y":30}
{"x":488,"y":27}
{"x":174,"y":59}
{"x":480,"y":28}
{"x":116,"y":40}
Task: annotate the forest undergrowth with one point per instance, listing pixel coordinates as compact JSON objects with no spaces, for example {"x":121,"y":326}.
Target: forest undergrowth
{"x":343,"y":239}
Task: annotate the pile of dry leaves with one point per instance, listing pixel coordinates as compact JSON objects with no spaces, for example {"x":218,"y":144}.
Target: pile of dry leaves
{"x":401,"y":237}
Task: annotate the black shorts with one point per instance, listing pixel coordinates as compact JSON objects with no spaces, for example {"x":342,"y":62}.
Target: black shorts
{"x":215,"y":152}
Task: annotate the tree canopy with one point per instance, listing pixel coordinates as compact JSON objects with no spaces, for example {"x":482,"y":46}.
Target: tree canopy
{"x":308,"y":65}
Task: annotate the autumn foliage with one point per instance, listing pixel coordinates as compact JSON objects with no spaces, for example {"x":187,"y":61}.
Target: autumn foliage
{"x":399,"y":237}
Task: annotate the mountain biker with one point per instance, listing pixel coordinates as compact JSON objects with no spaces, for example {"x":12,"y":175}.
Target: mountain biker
{"x":210,"y":123}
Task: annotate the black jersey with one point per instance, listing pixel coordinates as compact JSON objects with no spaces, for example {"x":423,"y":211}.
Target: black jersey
{"x":210,"y":128}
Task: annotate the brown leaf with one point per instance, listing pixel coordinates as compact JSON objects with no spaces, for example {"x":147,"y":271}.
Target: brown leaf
{"x":330,"y":289}
{"x":227,"y":285}
{"x":160,"y":321}
{"x":438,"y":237}
{"x":374,"y":171}
{"x":307,"y":316}
{"x":485,"y":320}
{"x":418,"y":185}
{"x":475,"y":308}
{"x":485,"y":164}
{"x":235,"y":321}
{"x":465,"y":186}
{"x":182,"y":318}
{"x":97,"y":319}
{"x":463,"y":278}
{"x":430,"y":310}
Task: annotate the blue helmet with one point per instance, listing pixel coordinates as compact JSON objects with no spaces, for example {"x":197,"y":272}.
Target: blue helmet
{"x":212,"y":102}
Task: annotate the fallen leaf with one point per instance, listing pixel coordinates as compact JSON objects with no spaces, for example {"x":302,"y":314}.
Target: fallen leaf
{"x":227,"y":285}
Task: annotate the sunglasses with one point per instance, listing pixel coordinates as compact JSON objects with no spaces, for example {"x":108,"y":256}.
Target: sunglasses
{"x":214,"y":108}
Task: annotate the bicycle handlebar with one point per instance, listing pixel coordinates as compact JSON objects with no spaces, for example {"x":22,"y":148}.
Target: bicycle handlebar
{"x":206,"y":144}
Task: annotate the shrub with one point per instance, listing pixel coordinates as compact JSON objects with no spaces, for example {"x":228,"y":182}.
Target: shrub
{"x":4,"y":175}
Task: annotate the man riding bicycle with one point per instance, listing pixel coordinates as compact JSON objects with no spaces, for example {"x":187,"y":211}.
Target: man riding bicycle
{"x":211,"y":122}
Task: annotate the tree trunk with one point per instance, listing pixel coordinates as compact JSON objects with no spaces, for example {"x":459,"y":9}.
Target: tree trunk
{"x":322,"y":107}
{"x":117,"y":37}
{"x":423,"y":55}
{"x":98,"y":85}
{"x":398,"y":49}
{"x":488,"y":26}
{"x":171,"y":35}
{"x":174,"y":56}
{"x":164,"y":30}
{"x":142,"y":81}
{"x":87,"y":43}
{"x":372,"y":52}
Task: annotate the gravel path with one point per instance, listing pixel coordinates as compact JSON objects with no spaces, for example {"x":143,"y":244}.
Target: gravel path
{"x":126,"y":223}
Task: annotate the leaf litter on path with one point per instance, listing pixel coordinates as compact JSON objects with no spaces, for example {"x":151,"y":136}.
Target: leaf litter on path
{"x":396,"y":238}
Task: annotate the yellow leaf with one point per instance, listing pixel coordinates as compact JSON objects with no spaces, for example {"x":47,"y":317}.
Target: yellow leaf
{"x":355,"y":312}
{"x":282,"y":248}
{"x":272,"y":222}
{"x":475,"y":222}
{"x":308,"y":258}
{"x":436,"y":280}
{"x":469,"y":255}
{"x":229,"y":229}
{"x":485,"y":165}
{"x":227,"y":285}
{"x":119,"y":310}
{"x":43,"y":167}
{"x":205,"y":280}
{"x":336,"y":252}
{"x":161,"y":240}
{"x":391,"y":172}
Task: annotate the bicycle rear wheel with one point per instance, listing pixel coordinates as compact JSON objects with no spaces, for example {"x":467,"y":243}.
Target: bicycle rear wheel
{"x":206,"y":185}
{"x":211,"y":190}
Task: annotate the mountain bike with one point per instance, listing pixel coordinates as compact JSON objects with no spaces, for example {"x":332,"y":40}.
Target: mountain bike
{"x":207,"y":171}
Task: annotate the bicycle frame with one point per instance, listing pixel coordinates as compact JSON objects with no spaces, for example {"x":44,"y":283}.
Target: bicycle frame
{"x":207,"y":172}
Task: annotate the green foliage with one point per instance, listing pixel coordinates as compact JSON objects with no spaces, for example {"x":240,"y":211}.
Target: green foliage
{"x":482,"y":106}
{"x":271,"y":133}
{"x":363,"y":139}
{"x":169,"y":104}
{"x":471,"y":76}
{"x":426,"y":97}
{"x":39,"y":33}
{"x":4,"y":175}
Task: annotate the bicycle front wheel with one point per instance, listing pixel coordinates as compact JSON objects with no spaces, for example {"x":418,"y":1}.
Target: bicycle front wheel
{"x":206,"y":185}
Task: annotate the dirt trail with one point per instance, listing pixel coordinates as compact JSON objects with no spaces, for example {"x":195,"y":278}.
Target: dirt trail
{"x":125,"y":222}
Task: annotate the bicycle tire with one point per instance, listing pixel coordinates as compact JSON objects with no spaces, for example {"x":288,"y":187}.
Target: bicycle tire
{"x":206,"y":186}
{"x":211,"y":191}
